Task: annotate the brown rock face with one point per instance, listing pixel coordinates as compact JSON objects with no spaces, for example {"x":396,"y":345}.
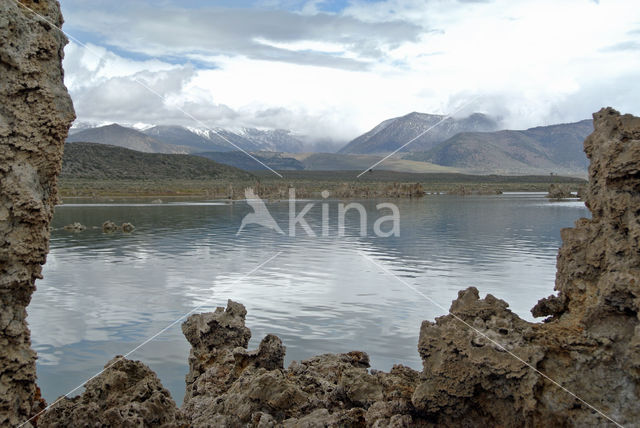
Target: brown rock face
{"x":35,"y":115}
{"x":590,"y":345}
{"x":230,"y":386}
{"x":598,"y":278}
{"x":126,"y":394}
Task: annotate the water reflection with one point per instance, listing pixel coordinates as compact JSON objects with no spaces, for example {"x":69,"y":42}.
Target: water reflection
{"x":103,"y":294}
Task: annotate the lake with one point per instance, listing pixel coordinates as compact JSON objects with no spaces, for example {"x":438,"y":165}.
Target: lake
{"x":103,"y":294}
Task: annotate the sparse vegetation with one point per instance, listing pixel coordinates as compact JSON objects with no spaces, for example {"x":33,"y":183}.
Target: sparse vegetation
{"x":94,"y":170}
{"x":103,"y":162}
{"x":275,"y":188}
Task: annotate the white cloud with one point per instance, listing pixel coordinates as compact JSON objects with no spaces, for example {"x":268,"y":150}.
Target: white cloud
{"x":335,"y":76}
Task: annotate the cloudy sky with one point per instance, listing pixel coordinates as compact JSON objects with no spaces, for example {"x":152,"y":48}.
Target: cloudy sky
{"x":334,"y":69}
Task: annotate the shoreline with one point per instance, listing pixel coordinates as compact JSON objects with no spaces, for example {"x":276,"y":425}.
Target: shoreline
{"x":305,"y":188}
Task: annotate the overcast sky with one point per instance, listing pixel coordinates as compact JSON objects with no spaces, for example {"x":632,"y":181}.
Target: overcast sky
{"x":334,"y":69}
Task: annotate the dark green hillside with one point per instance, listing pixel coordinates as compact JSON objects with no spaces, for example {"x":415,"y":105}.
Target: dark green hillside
{"x":101,"y":161}
{"x":241,"y":160}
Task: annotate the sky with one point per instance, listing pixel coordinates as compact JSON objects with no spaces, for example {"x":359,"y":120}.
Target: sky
{"x":331,"y":70}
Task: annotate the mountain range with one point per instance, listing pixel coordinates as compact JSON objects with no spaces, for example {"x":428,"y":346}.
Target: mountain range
{"x":471,"y":144}
{"x":179,"y":139}
{"x":394,"y":133}
{"x":551,"y":149}
{"x":128,"y":138}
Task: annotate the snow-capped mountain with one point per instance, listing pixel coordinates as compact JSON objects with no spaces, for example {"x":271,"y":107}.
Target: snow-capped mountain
{"x":217,"y":140}
{"x":128,"y":138}
{"x":168,"y":138}
{"x":274,"y":140}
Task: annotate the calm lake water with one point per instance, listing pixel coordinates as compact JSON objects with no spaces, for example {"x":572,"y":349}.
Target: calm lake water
{"x":103,"y":294}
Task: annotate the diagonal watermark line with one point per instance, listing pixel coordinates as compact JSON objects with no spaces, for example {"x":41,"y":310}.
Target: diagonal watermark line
{"x":154,"y":92}
{"x":387,"y":271}
{"x":151,"y":338}
{"x":418,"y":136}
{"x":383,"y":268}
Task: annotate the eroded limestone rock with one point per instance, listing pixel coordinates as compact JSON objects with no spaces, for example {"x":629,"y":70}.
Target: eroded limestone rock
{"x":35,"y":116}
{"x":469,"y":377}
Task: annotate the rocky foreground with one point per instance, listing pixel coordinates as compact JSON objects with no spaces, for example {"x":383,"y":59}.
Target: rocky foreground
{"x":482,"y":364}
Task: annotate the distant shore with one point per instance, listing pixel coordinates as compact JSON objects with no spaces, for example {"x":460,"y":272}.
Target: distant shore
{"x":307,"y":184}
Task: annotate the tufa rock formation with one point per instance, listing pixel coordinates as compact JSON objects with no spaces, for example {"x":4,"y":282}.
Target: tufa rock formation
{"x":35,"y":115}
{"x":591,"y":341}
{"x":126,"y":394}
{"x":75,"y":227}
{"x":558,"y":192}
{"x":127,"y":227}
{"x":230,"y":386}
{"x":109,"y":227}
{"x":482,"y":364}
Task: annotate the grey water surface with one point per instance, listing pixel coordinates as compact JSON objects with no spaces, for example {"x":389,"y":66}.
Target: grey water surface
{"x":103,"y":294}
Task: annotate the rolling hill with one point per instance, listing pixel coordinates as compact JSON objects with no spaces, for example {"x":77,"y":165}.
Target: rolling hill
{"x":541,"y":150}
{"x":100,"y":161}
{"x":393,"y":133}
{"x":359,"y":163}
{"x":565,"y":142}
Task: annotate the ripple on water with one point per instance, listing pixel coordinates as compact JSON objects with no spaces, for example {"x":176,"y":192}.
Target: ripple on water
{"x":103,"y":294}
